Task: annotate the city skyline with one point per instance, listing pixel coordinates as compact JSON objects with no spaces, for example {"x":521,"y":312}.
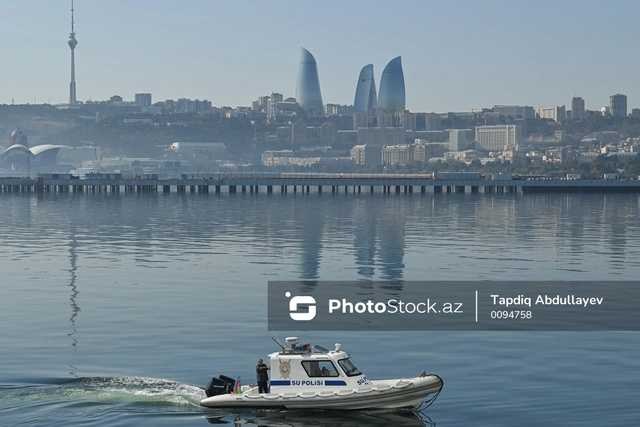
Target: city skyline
{"x":194,"y":50}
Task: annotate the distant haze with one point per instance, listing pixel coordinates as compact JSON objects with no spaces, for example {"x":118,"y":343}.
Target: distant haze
{"x":456,"y":55}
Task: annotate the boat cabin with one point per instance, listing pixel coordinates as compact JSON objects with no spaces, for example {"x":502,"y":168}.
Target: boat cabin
{"x":305,"y":367}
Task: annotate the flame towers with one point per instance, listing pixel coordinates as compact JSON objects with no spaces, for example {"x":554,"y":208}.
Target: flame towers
{"x":308,"y":85}
{"x":366,"y":97}
{"x":72,"y":44}
{"x":392,"y":92}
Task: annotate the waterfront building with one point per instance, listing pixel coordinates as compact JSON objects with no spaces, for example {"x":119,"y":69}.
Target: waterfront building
{"x":424,"y":150}
{"x":308,"y":84}
{"x":400,"y":154}
{"x":392,"y":89}
{"x":618,"y":105}
{"x":366,"y":154}
{"x":277,"y":157}
{"x":499,"y":137}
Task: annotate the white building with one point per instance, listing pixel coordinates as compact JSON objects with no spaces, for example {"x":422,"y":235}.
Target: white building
{"x":557,"y":114}
{"x":459,"y":139}
{"x":499,"y":137}
{"x":366,"y":154}
{"x":397,"y":154}
{"x":193,"y":147}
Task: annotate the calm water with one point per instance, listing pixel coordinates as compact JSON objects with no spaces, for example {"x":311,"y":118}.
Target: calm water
{"x":117,"y":309}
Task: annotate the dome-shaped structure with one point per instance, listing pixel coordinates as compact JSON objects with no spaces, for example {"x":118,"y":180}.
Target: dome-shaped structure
{"x":392,"y":91}
{"x":17,"y":137}
{"x":366,"y":97}
{"x":308,"y":84}
{"x":47,"y":154}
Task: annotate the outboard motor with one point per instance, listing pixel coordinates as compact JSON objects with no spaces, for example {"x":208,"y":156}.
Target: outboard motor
{"x":221,"y":385}
{"x":230,"y":381}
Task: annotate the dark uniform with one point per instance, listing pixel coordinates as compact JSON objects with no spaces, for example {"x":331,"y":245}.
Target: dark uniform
{"x":262,"y":376}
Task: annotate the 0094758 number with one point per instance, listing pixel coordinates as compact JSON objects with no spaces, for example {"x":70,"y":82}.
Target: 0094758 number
{"x":506,"y":314}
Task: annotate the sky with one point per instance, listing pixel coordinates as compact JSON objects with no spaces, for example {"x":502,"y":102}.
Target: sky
{"x":456,"y":54}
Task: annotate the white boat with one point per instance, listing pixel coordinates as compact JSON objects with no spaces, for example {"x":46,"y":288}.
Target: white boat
{"x":312,"y":377}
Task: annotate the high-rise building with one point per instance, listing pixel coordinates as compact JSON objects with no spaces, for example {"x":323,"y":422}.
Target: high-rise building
{"x":577,"y":108}
{"x":72,"y":45}
{"x":392,"y":91}
{"x":618,"y":105}
{"x":499,"y":137}
{"x":366,"y":98}
{"x":143,"y":99}
{"x":308,"y":84}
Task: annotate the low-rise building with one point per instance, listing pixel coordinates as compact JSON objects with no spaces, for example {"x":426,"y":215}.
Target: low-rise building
{"x":367,"y":154}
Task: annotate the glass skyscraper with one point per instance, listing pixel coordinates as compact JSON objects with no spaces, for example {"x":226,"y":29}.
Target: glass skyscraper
{"x":308,"y":85}
{"x":392,"y":94}
{"x":366,"y":97}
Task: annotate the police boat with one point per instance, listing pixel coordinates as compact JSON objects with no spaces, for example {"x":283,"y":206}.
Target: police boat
{"x":312,"y":377}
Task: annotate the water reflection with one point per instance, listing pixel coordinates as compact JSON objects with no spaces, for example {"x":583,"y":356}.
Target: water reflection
{"x":298,"y":418}
{"x":364,"y":239}
{"x":75,"y":308}
{"x":447,"y":233}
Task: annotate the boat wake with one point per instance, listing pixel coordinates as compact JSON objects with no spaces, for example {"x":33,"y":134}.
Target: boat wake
{"x":107,"y":390}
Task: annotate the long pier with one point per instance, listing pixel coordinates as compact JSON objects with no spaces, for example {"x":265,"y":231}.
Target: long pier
{"x":307,"y":183}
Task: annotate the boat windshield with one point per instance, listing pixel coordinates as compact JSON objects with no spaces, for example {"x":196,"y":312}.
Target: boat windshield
{"x":319,"y":349}
{"x":349,"y":368}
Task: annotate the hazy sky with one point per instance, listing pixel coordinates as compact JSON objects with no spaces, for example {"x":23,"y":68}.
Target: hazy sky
{"x":456,"y":55}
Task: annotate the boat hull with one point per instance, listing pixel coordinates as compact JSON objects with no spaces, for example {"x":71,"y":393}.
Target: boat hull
{"x":382,"y":394}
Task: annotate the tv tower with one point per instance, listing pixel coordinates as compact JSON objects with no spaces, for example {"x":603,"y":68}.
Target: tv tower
{"x":72,"y":44}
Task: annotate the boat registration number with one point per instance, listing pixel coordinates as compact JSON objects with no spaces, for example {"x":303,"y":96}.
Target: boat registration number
{"x":363,"y":380}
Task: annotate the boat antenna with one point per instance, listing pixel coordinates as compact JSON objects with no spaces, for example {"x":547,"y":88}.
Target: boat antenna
{"x":276,"y":339}
{"x":278,"y":342}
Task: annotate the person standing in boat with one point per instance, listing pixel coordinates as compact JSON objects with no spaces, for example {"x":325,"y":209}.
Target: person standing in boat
{"x":262,"y":376}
